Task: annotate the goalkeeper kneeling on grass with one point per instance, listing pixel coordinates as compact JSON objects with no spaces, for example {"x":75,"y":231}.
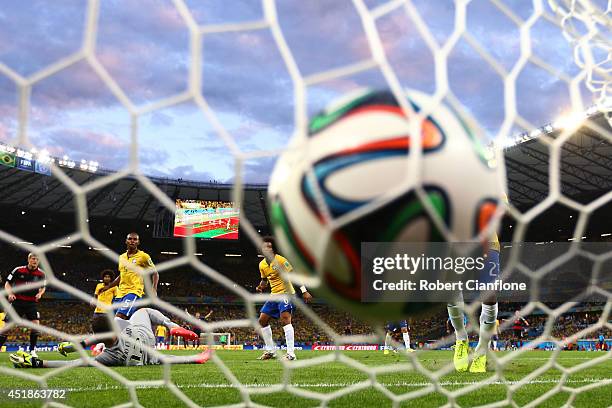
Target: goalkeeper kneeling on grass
{"x":134,"y":347}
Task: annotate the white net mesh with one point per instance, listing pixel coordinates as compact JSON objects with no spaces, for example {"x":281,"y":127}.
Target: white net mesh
{"x":585,"y":24}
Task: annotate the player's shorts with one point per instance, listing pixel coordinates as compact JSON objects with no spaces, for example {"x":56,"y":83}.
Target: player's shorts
{"x":161,"y":339}
{"x":127,"y":306}
{"x":495,"y":337}
{"x":25,"y":309}
{"x":397,"y":326}
{"x":275,"y":308}
{"x":491,"y":270}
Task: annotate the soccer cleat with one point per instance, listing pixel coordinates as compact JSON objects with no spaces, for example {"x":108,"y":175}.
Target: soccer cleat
{"x":267,"y":355}
{"x":461,"y":359}
{"x":479,"y":365}
{"x":289,"y":357}
{"x":22,"y":359}
{"x":410,"y":350}
{"x":203,"y":357}
{"x":184,"y":333}
{"x":386,"y":352}
{"x":65,"y":347}
{"x":33,"y":353}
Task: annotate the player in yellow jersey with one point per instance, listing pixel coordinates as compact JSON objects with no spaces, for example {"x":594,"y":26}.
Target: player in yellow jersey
{"x":133,"y":265}
{"x":160,"y":335}
{"x":104,"y":297}
{"x":270,"y":271}
{"x":488,"y":314}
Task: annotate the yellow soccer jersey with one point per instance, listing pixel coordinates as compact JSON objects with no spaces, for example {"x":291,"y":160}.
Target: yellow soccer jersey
{"x":105,"y":297}
{"x":2,"y":320}
{"x":277,"y":285}
{"x":494,"y":244}
{"x":131,"y":281}
{"x":160,"y":331}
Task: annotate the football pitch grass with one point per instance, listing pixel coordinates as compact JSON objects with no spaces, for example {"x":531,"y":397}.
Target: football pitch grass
{"x":206,"y":384}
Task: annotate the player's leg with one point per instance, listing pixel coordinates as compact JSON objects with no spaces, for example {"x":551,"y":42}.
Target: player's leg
{"x":149,"y":318}
{"x":201,"y":358}
{"x":488,"y":315}
{"x":406,"y":335}
{"x":387,"y":345}
{"x":286,"y":308}
{"x":32,"y":314}
{"x":127,"y":306}
{"x":269,"y":310}
{"x":456,"y":317}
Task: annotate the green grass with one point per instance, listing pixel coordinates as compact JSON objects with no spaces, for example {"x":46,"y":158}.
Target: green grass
{"x":207,"y":385}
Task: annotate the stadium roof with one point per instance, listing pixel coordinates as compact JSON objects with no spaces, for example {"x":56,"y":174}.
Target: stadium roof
{"x":585,"y":164}
{"x":586,"y":172}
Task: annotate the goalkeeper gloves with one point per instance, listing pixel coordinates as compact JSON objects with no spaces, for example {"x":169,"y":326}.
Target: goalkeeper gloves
{"x":66,"y":347}
{"x":22,"y":359}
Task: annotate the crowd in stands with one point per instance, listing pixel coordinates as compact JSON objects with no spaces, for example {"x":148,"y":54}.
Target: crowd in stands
{"x":74,"y":318}
{"x":200,"y":294}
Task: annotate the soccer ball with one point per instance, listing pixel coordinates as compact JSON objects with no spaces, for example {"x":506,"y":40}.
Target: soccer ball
{"x":350,"y":182}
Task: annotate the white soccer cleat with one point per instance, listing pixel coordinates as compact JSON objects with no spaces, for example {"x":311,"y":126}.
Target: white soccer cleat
{"x":267,"y":355}
{"x":33,"y":353}
{"x":289,"y":357}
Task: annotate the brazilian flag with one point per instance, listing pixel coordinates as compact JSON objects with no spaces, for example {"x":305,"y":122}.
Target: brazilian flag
{"x":7,"y":159}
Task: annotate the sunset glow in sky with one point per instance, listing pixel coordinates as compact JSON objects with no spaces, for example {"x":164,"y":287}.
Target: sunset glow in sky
{"x":144,"y":45}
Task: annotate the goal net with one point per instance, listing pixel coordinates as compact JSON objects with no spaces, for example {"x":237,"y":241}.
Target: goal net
{"x":509,"y":68}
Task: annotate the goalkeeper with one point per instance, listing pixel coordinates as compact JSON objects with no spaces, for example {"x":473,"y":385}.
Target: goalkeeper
{"x":132,"y":348}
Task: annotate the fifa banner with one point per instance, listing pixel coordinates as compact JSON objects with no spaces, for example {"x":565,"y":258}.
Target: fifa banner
{"x":7,"y":159}
{"x":347,"y":347}
{"x":25,"y":164}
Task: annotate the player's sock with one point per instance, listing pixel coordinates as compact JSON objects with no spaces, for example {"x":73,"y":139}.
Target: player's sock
{"x":289,"y":337}
{"x":406,"y":337}
{"x":387,"y":341}
{"x":455,"y":313}
{"x":495,"y":345}
{"x":33,"y":340}
{"x":488,"y":316}
{"x":266,"y":333}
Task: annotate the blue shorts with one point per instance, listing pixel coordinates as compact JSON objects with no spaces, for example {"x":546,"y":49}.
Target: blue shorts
{"x":127,"y":304}
{"x":491,"y":270}
{"x":275,"y":308}
{"x":397,"y":326}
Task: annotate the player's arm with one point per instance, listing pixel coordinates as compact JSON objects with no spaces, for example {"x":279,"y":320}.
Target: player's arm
{"x":155,"y":275}
{"x":41,"y":290}
{"x":112,"y":284}
{"x":155,"y":279}
{"x":263,"y":284}
{"x":8,"y":287}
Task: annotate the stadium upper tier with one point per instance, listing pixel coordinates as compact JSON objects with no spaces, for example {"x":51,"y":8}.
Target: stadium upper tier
{"x":585,"y":168}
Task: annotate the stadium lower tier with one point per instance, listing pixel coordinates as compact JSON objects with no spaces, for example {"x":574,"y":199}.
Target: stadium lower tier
{"x":75,"y":318}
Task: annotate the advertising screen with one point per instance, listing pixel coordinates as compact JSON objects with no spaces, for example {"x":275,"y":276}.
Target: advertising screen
{"x":206,"y":219}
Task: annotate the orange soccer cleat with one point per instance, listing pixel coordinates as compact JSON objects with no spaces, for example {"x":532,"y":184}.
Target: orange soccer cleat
{"x":184,"y":333}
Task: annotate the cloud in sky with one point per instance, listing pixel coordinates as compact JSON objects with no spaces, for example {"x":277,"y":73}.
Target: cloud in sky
{"x":245,"y":80}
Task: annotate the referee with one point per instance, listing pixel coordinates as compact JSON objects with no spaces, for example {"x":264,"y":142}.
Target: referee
{"x":24,"y":302}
